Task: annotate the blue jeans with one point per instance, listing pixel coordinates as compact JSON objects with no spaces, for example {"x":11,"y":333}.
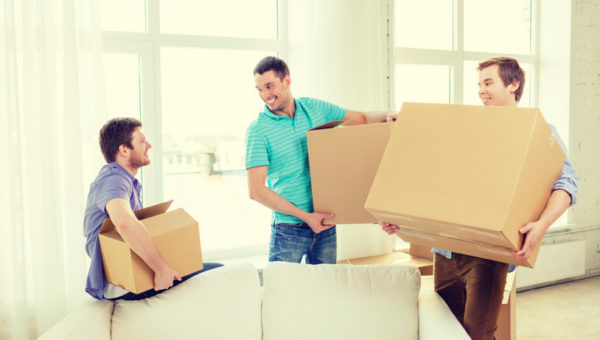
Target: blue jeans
{"x":291,"y":241}
{"x":152,"y":292}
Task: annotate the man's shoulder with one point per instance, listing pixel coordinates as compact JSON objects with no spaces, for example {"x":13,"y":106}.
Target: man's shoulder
{"x":263,"y":126}
{"x":310,"y":101}
{"x":112,"y":174}
{"x":314,"y":105}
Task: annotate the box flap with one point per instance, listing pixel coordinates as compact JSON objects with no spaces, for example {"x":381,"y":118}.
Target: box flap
{"x":140,"y":214}
{"x":170,"y":221}
{"x":328,"y":125}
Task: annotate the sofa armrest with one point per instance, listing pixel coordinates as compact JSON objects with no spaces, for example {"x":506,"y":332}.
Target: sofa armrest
{"x":90,"y":321}
{"x":436,"y":321}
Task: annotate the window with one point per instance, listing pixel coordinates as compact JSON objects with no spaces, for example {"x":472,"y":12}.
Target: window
{"x":184,"y":67}
{"x":436,"y":51}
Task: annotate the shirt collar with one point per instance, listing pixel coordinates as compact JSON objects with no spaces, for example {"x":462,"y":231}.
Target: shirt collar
{"x":273,"y":116}
{"x":116,"y":166}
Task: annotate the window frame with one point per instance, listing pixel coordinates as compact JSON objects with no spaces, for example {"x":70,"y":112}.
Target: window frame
{"x":456,"y":57}
{"x":147,"y":45}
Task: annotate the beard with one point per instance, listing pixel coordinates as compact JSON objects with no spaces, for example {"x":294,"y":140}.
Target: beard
{"x":138,"y":162}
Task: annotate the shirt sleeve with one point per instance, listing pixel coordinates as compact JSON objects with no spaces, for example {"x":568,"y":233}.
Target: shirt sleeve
{"x":569,"y":179}
{"x":330,"y":111}
{"x":256,"y":148}
{"x":115,"y":186}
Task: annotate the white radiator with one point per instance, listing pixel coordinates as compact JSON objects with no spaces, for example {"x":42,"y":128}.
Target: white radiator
{"x":555,"y":262}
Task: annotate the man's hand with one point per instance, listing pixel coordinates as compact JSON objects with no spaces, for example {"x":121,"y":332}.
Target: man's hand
{"x":534,"y":232}
{"x":163,"y":279}
{"x":390,"y":229}
{"x":391,"y":116}
{"x":315,"y":221}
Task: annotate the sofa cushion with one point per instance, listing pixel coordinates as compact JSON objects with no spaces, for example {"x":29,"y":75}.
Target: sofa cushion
{"x":89,"y":321}
{"x":340,"y":302}
{"x":222,"y":303}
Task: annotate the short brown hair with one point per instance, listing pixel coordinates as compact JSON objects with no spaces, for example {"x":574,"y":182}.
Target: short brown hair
{"x":117,"y":132}
{"x":278,"y":66}
{"x":509,"y":71}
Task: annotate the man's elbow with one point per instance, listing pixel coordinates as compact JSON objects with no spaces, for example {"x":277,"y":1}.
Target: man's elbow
{"x":360,"y":119}
{"x":254,"y":193}
{"x":124,"y":227}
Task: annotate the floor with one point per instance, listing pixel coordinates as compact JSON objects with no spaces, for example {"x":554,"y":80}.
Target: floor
{"x":566,"y":311}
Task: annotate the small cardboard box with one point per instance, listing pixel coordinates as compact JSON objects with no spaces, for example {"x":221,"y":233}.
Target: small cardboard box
{"x":175,"y":235}
{"x":466,"y":178}
{"x":343,"y":161}
{"x":425,"y":266}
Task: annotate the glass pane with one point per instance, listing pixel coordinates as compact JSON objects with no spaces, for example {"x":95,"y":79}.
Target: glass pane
{"x":497,"y":26}
{"x":206,"y":110}
{"x":418,"y":26}
{"x":123,"y":15}
{"x":471,"y":89}
{"x":423,"y":83}
{"x":232,"y":18}
{"x":122,"y":79}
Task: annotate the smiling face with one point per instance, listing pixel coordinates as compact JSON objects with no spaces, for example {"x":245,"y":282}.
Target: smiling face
{"x":274,"y":91}
{"x":492,"y":90}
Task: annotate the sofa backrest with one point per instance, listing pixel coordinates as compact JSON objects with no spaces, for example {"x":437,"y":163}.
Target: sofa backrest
{"x":223,"y":303}
{"x":340,"y":302}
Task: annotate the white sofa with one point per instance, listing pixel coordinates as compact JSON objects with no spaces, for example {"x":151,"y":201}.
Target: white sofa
{"x":297,"y":301}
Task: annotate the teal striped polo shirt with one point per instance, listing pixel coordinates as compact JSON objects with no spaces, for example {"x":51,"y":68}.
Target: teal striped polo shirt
{"x":280,"y":143}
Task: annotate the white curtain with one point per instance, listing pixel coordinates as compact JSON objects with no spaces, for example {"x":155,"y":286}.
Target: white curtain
{"x":51,"y":105}
{"x":338,"y":51}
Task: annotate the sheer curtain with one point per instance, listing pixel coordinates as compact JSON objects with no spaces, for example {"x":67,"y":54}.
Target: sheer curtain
{"x":51,"y":107}
{"x":338,"y":51}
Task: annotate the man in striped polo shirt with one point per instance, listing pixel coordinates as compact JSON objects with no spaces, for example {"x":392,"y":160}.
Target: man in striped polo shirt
{"x":276,"y":152}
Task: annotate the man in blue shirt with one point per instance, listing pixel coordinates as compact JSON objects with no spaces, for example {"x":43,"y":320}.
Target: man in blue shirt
{"x":115,"y":193}
{"x":473,"y":287}
{"x":276,"y":153}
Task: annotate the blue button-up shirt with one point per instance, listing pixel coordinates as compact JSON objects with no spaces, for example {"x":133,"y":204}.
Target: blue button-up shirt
{"x":568,"y":181}
{"x":113,"y":181}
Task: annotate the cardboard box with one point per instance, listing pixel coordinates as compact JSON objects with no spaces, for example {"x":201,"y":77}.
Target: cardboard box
{"x":343,"y":162}
{"x":425,"y":266}
{"x":175,"y":235}
{"x":466,"y":178}
{"x":421,"y":251}
{"x":507,"y":317}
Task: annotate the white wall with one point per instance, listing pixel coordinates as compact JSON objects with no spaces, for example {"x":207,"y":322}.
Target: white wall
{"x":585,"y":124}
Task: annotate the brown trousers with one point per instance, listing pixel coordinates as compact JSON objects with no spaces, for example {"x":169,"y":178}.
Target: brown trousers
{"x":473,"y":288}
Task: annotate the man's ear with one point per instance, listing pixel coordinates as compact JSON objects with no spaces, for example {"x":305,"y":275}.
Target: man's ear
{"x":514,"y":86}
{"x":287,"y":80}
{"x":123,"y":150}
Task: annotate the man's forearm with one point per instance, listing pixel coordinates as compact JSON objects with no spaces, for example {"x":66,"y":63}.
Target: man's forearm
{"x":558,"y":203}
{"x":274,"y":201}
{"x":136,"y":236}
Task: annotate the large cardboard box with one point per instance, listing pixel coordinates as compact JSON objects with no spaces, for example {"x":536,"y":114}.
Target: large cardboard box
{"x":466,"y":178}
{"x":425,"y":266}
{"x":175,"y":235}
{"x":343,"y":162}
